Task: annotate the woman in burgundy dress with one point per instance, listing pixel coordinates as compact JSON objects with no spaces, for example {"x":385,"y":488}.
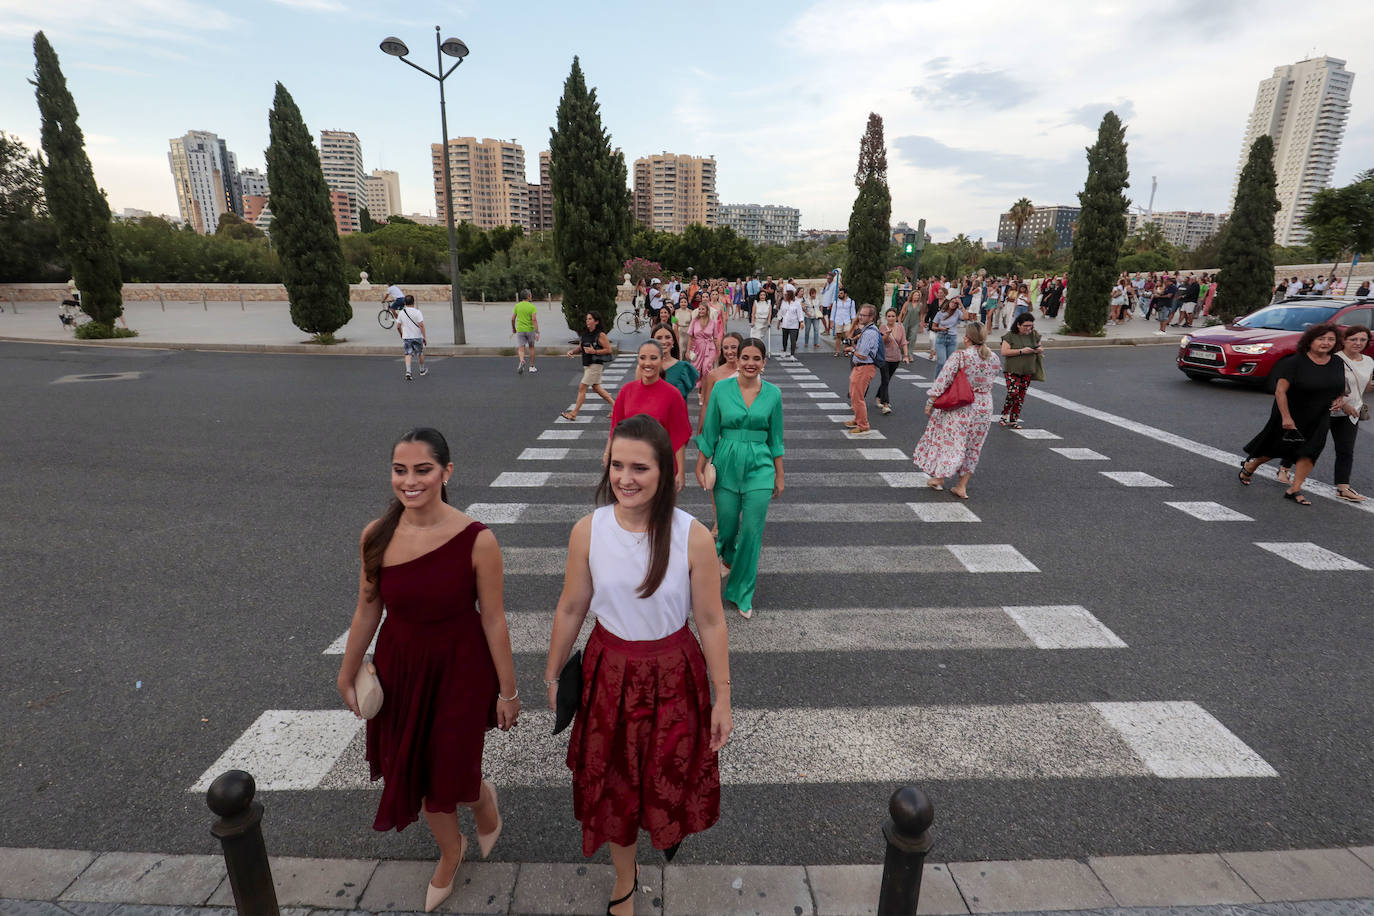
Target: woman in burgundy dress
{"x":645,"y":737}
{"x":443,"y":656}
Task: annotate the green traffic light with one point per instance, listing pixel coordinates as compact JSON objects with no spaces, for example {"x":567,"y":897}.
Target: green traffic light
{"x":910,"y":247}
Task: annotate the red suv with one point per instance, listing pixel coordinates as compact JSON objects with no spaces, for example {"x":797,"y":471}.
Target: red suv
{"x":1247,"y":349}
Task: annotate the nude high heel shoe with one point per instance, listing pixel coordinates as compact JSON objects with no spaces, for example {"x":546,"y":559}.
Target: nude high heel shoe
{"x":487,"y":840}
{"x":434,"y":896}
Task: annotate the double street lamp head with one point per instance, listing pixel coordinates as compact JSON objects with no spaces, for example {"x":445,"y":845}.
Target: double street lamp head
{"x":453,"y":47}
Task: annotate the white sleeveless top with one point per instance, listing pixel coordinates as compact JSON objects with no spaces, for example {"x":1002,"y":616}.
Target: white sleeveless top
{"x":618,"y":560}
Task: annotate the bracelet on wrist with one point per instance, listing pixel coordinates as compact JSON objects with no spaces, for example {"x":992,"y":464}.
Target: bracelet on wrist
{"x":510,"y":698}
{"x":551,"y":683}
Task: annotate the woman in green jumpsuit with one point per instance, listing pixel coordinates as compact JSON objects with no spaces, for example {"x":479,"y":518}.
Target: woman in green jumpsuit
{"x":742,"y":438}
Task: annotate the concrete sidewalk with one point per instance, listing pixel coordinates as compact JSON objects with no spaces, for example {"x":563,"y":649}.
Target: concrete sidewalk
{"x":48,"y":882}
{"x":266,"y":327}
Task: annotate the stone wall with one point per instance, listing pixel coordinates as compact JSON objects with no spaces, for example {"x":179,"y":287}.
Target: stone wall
{"x":216,"y":292}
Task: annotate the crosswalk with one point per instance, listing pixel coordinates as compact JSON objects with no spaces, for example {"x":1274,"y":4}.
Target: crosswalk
{"x":819,"y":550}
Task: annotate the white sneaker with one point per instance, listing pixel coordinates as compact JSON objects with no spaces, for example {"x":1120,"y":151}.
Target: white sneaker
{"x":533,"y":369}
{"x":424,"y":371}
{"x":1161,"y":334}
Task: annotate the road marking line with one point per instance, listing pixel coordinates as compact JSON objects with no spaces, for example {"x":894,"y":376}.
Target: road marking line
{"x":552,"y":454}
{"x":580,"y":419}
{"x":939,"y":512}
{"x":1134,"y":479}
{"x":1210,"y":511}
{"x":1181,"y":740}
{"x":822,"y":394}
{"x":816,"y":384}
{"x":598,"y":405}
{"x":905,"y":480}
{"x":808,"y":745}
{"x":1063,"y":626}
{"x":1232,"y":459}
{"x":883,"y":454}
{"x":1035,"y":434}
{"x":1080,"y":454}
{"x":287,"y":749}
{"x":1310,"y":556}
{"x":870,"y":435}
{"x":522,"y":479}
{"x":991,"y":558}
{"x":561,"y":434}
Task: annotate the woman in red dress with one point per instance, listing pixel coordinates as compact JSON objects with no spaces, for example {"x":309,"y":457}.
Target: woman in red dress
{"x":645,"y":737}
{"x":650,"y":394}
{"x":443,"y":656}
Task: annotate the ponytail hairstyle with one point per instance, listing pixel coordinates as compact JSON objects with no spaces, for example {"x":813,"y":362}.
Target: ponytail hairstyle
{"x":977,"y":335}
{"x":644,"y":428}
{"x":739,"y":338}
{"x":379,"y":538}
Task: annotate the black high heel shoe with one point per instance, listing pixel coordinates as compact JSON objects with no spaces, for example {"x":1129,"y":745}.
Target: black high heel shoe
{"x":618,"y":901}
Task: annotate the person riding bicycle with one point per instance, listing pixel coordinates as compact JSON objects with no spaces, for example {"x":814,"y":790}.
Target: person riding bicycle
{"x":393,"y":299}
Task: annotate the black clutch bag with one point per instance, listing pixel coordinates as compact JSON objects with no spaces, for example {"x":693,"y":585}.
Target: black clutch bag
{"x":569,"y":692}
{"x":1293,"y":437}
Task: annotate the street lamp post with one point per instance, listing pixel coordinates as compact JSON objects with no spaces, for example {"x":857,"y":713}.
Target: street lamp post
{"x":453,"y":48}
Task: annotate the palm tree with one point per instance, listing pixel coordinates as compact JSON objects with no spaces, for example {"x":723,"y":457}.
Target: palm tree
{"x":1149,"y":237}
{"x":1046,"y":243}
{"x":1020,"y":213}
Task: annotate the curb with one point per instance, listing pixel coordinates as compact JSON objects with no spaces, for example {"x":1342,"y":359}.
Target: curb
{"x":42,"y":881}
{"x":452,"y":350}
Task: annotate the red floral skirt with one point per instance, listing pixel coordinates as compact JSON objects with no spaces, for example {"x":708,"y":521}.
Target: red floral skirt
{"x":640,"y":750}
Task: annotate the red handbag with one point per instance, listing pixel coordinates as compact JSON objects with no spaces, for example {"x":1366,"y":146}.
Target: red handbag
{"x":958,"y":394}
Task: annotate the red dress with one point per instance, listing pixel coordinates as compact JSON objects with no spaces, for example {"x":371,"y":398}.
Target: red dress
{"x":439,"y":685}
{"x":661,"y":401}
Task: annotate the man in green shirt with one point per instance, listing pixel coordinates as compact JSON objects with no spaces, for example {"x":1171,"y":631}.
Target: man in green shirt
{"x":524,"y":324}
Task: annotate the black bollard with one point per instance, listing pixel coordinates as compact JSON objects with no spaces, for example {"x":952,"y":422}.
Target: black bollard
{"x":907,"y":830}
{"x":239,"y":829}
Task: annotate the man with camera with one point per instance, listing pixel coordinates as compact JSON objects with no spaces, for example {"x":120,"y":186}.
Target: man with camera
{"x":862,"y":349}
{"x":841,"y":318}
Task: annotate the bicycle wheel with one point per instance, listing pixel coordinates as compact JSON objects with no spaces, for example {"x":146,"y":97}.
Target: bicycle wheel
{"x":386,"y":319}
{"x":625,"y":323}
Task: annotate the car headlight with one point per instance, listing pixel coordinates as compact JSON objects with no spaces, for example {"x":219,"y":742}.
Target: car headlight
{"x":1252,"y":349}
{"x":1183,"y":341}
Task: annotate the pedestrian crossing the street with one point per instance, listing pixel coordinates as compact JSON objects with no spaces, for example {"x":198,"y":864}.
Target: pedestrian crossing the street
{"x":838,"y":487}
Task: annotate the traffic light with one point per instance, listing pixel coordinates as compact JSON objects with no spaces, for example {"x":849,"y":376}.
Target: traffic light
{"x":910,"y":247}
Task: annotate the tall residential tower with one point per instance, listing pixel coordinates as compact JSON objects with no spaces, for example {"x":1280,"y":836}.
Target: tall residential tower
{"x":1304,"y":107}
{"x":489,"y":187}
{"x":206,"y":176}
{"x":673,"y":191}
{"x":341,"y":158}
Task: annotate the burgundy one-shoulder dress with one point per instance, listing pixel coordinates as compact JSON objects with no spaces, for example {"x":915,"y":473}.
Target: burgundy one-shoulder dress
{"x":439,"y":685}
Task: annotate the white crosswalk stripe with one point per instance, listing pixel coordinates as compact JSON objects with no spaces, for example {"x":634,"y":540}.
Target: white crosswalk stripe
{"x":1134,"y":479}
{"x":1080,"y":454}
{"x":1210,"y":511}
{"x":779,"y":513}
{"x":1310,"y":556}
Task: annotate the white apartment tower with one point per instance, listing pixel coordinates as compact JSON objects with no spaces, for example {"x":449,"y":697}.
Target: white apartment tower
{"x":1304,"y":107}
{"x":383,"y":197}
{"x":341,"y":158}
{"x":205,"y":174}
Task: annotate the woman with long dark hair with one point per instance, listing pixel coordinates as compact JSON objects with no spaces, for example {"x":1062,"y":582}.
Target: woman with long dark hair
{"x":649,"y":393}
{"x":443,"y":656}
{"x":742,"y":438}
{"x":594,"y":347}
{"x":1022,"y":349}
{"x":643,"y":750}
{"x":1311,"y":384}
{"x":675,"y":370}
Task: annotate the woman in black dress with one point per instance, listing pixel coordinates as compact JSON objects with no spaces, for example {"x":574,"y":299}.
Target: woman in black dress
{"x":1311,"y":384}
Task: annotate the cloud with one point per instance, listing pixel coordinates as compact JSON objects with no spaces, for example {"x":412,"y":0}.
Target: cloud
{"x":988,"y":90}
{"x":994,"y":172}
{"x":1090,"y":115}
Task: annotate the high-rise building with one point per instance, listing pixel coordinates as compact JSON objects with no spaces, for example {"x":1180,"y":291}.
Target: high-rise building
{"x":342,"y":205}
{"x":673,"y":191}
{"x":1059,"y":218}
{"x":489,"y":187}
{"x":541,"y":197}
{"x":1304,"y":107}
{"x":1182,"y":228}
{"x":769,"y":224}
{"x":253,"y":205}
{"x":205,"y":174}
{"x":341,"y":158}
{"x":383,"y":194}
{"x":254,"y":182}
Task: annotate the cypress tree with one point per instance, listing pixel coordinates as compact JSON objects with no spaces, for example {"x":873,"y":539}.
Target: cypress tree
{"x":303,"y":229}
{"x":77,"y":205}
{"x":1245,"y":279}
{"x":869,"y":221}
{"x":1101,"y":229}
{"x":591,"y":204}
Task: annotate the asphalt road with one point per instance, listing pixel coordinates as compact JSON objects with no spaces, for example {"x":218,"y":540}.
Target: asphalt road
{"x":181,"y":546}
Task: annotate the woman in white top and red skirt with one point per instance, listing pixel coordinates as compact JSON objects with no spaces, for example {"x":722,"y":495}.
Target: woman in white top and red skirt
{"x":644,"y":742}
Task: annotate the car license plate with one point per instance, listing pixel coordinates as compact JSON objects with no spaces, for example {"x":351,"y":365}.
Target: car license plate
{"x":1204,"y":354}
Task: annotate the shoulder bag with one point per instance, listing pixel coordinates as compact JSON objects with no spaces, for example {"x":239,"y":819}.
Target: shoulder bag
{"x":958,"y":394}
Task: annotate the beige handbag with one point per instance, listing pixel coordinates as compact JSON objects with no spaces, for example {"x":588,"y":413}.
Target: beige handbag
{"x":368,"y":690}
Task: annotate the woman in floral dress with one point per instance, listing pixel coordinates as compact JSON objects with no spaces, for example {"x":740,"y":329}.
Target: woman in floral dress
{"x":953,"y":440}
{"x":704,"y":333}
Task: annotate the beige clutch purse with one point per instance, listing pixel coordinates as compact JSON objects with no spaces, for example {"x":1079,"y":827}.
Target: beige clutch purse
{"x":369,"y":691}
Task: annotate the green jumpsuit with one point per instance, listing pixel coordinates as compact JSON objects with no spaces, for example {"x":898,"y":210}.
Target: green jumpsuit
{"x":742,"y":443}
